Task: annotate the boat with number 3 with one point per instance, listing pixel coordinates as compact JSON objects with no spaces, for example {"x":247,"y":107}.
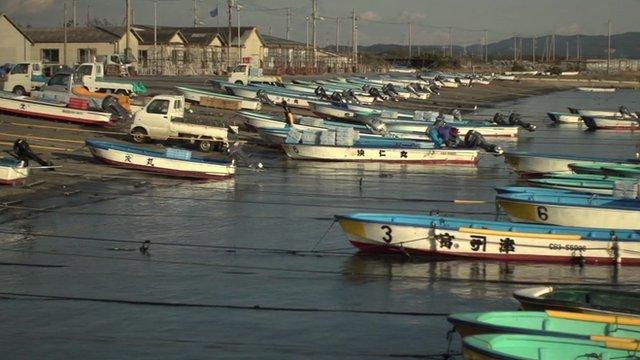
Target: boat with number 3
{"x":454,"y":237}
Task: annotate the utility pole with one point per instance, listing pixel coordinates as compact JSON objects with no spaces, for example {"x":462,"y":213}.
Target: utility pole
{"x":195,"y":13}
{"x":64,"y":24}
{"x":155,"y":35}
{"x":521,"y":49}
{"x":239,"y":48}
{"x":337,"y":34}
{"x":409,"y":39}
{"x":486,"y":46}
{"x":127,"y":50}
{"x":75,"y":12}
{"x":578,"y":47}
{"x":515,"y":48}
{"x":313,"y":26}
{"x":88,"y":14}
{"x":609,"y":47}
{"x":533,"y":49}
{"x":354,"y":40}
{"x":229,"y":6}
{"x":451,"y":42}
{"x":288,"y":23}
{"x":553,"y":46}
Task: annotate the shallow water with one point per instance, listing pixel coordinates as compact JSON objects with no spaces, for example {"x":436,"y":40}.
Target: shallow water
{"x":239,"y":250}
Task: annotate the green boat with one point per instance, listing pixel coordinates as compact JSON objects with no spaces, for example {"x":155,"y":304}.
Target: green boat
{"x":598,"y":168}
{"x":549,"y":323}
{"x":579,"y":299}
{"x":587,"y":177}
{"x":534,"y":347}
{"x":628,"y":171}
{"x":602,"y":187}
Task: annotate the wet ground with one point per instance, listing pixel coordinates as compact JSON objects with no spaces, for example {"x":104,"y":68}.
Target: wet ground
{"x":255,"y":267}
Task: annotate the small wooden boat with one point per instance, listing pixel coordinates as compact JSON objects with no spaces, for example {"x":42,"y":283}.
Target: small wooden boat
{"x":484,"y":128}
{"x":535,"y":347}
{"x":12,"y":171}
{"x":172,"y":162}
{"x":23,"y":105}
{"x":564,"y":118}
{"x":611,"y":123}
{"x":381,"y":151}
{"x":602,"y":212}
{"x":599,"y":113}
{"x":623,"y":170}
{"x":193,"y":94}
{"x":546,"y":323}
{"x":580,"y":300}
{"x":537,"y":164}
{"x":596,"y":89}
{"x":478,"y":239}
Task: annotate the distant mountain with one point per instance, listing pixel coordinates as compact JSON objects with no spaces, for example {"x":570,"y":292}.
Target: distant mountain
{"x":625,"y":45}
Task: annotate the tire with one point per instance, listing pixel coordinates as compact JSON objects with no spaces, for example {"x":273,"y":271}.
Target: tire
{"x":139,"y":135}
{"x":205,"y":145}
{"x":239,"y":82}
{"x":19,"y":90}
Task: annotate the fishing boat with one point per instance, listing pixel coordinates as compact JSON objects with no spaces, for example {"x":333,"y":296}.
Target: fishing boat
{"x":596,"y":89}
{"x":546,"y":323}
{"x":602,"y":212}
{"x":273,"y":96}
{"x":12,"y":171}
{"x":537,"y":164}
{"x":24,"y":105}
{"x":479,"y":239}
{"x":171,"y":162}
{"x":484,"y":128}
{"x":381,"y":151}
{"x":193,"y":94}
{"x":601,"y":187}
{"x":600,"y":113}
{"x":611,"y":123}
{"x":564,"y":118}
{"x":579,"y":300}
{"x":623,"y":170}
{"x":535,"y":347}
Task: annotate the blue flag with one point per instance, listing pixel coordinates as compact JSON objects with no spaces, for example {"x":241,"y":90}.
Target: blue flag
{"x":214,"y":12}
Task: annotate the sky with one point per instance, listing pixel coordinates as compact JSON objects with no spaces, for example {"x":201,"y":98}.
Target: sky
{"x":380,"y":21}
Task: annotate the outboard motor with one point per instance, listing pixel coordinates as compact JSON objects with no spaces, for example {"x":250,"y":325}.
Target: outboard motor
{"x":376,"y":126}
{"x":23,"y":152}
{"x":390,"y":92}
{"x":412,"y":90}
{"x":376,"y":94}
{"x":514,"y":119}
{"x":626,"y":112}
{"x":474,"y":139}
{"x":321,"y":93}
{"x":260,"y":95}
{"x":457,"y":115}
{"x":110,"y":104}
{"x":336,"y":97}
{"x":349,"y":96}
{"x":291,"y":117}
{"x":366,"y":87}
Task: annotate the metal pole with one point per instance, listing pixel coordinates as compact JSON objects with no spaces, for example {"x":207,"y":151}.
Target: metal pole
{"x":409,"y":41}
{"x":486,"y":47}
{"x":609,"y":47}
{"x":229,"y":5}
{"x":337,"y":34}
{"x":567,"y":57}
{"x":75,"y":13}
{"x":314,"y":17}
{"x":515,"y":48}
{"x":155,"y":35}
{"x":64,"y":24}
{"x":127,"y":50}
{"x":356,"y":42}
{"x":578,"y":47}
{"x":533,"y":49}
{"x":195,"y":13}
{"x":88,"y":14}
{"x":353,"y":39}
{"x":451,"y":42}
{"x":288,"y":23}
{"x":306,"y":24}
{"x":239,"y":48}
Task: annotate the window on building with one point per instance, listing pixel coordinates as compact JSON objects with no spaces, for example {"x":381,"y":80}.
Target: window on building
{"x":86,"y":55}
{"x":177,"y":56}
{"x":50,"y":56}
{"x":143,"y":57}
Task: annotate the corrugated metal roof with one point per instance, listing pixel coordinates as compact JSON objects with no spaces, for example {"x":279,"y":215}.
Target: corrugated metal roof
{"x":274,"y":41}
{"x":76,"y":35}
{"x":212,"y":30}
{"x":163,"y":36}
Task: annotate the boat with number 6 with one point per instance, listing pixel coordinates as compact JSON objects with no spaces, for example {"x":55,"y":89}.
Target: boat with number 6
{"x":494,"y":240}
{"x":171,"y":162}
{"x":603,"y":212}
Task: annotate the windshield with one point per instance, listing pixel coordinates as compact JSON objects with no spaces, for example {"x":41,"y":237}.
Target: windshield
{"x":240,"y":68}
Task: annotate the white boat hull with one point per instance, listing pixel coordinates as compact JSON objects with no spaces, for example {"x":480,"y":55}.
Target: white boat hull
{"x":605,"y":123}
{"x":532,"y":165}
{"x":23,"y":105}
{"x":417,"y":127}
{"x":563,"y":118}
{"x":381,"y":154}
{"x":10,"y":175}
{"x":166,"y":166}
{"x":485,"y":244}
{"x":570,"y":215}
{"x":196,"y":95}
{"x":595,"y":89}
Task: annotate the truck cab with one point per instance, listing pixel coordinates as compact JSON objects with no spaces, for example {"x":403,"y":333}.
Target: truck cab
{"x":24,"y":77}
{"x":159,"y":120}
{"x":245,"y":74}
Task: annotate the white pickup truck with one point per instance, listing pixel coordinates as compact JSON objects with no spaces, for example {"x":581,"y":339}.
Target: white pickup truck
{"x":92,"y":77}
{"x":24,"y":77}
{"x":245,"y":74}
{"x":158,"y":121}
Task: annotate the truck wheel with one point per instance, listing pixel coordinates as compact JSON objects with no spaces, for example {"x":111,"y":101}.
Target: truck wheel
{"x":204,"y":145}
{"x":239,"y":82}
{"x":19,"y":90}
{"x":139,"y":135}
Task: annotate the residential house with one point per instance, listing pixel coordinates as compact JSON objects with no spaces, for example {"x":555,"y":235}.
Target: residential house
{"x":161,"y":51}
{"x":15,"y":44}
